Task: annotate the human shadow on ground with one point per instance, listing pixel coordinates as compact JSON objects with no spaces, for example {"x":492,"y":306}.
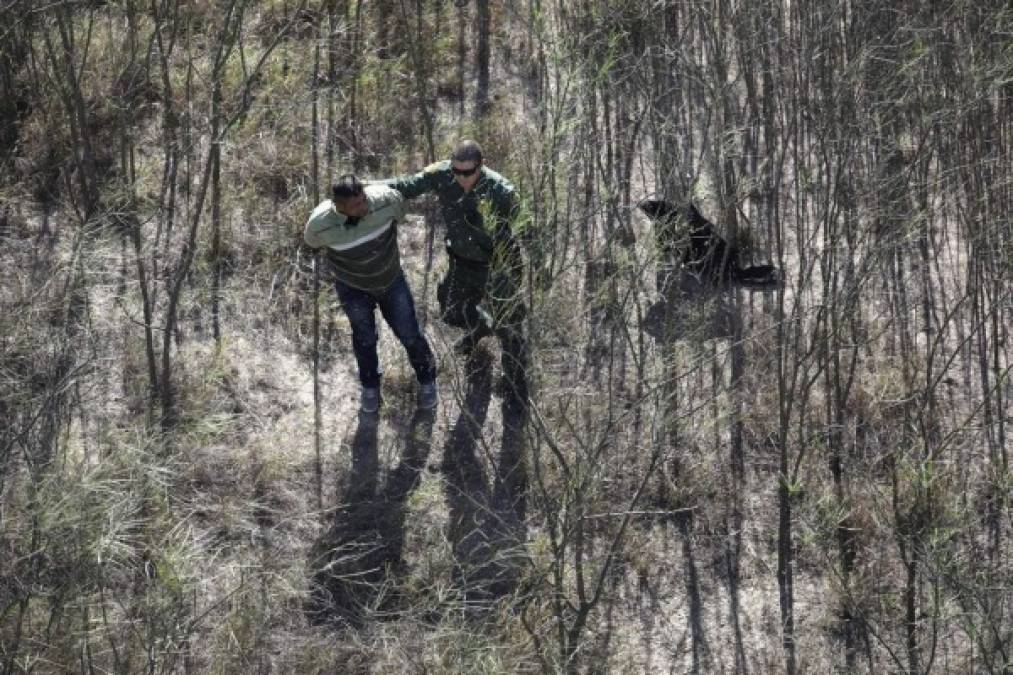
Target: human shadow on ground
{"x":487,"y":530}
{"x":362,"y":550}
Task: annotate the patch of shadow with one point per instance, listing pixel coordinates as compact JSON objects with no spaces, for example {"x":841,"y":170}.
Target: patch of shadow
{"x":691,"y":310}
{"x":701,"y":650}
{"x":487,"y":530}
{"x":357,"y":560}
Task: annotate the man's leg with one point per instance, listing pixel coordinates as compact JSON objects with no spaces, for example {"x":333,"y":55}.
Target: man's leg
{"x":504,"y":300}
{"x":510,"y":488}
{"x":478,"y":328}
{"x":398,"y":308}
{"x":460,"y":294}
{"x":514,"y":360}
{"x":359,"y":307}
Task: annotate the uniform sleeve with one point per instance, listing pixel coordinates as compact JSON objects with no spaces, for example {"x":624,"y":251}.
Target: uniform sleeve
{"x":417,"y":184}
{"x":506,"y":210}
{"x":506,"y":207}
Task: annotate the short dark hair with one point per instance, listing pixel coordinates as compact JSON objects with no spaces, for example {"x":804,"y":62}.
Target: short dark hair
{"x":467,"y":151}
{"x":346,"y":186}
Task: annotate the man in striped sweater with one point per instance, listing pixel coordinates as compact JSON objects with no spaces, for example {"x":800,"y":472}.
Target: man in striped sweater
{"x":358,"y":229}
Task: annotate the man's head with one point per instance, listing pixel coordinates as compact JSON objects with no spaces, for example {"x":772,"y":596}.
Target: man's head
{"x":349,"y":196}
{"x":466,"y":162}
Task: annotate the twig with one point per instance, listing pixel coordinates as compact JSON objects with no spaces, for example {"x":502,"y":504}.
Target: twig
{"x":623,"y":514}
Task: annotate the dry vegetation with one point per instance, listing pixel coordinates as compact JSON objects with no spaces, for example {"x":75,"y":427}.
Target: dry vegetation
{"x":822,"y":484}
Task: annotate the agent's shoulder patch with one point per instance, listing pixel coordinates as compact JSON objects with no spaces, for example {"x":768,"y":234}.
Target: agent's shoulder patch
{"x":435,"y":167}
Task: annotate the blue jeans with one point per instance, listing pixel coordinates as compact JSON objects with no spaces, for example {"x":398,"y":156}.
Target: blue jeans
{"x":398,"y":309}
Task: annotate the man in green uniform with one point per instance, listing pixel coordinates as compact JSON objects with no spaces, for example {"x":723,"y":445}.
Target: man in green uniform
{"x":358,"y":229}
{"x":482,"y":290}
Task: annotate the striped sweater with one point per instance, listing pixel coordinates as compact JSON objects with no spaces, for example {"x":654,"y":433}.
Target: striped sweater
{"x":364,"y":254}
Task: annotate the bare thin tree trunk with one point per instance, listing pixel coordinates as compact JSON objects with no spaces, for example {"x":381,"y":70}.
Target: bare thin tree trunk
{"x":421,"y":68}
{"x":484,"y":26}
{"x":352,"y":118}
{"x":315,"y":182}
{"x":217,"y":263}
{"x":462,"y":56}
{"x":738,"y":481}
{"x":785,"y":559}
{"x":134,"y":226}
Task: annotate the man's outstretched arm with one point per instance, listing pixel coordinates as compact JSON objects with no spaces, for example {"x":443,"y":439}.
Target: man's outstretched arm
{"x":508,"y":232}
{"x":412,"y":185}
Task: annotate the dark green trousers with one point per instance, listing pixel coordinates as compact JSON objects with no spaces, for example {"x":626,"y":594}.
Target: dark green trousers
{"x":484,"y":302}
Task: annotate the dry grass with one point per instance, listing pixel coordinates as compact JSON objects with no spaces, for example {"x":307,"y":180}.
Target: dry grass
{"x":129,"y":547}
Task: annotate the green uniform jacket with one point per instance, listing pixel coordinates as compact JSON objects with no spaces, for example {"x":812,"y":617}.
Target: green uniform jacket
{"x":479,"y":222}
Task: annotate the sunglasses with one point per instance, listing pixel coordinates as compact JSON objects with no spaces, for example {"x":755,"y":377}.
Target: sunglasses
{"x":464,"y":172}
